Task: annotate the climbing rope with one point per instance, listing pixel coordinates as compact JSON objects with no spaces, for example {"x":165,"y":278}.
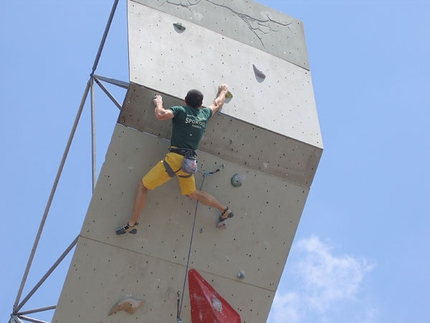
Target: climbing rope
{"x":181,"y":295}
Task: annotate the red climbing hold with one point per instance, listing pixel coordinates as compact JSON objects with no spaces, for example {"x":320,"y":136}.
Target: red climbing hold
{"x":206,"y":304}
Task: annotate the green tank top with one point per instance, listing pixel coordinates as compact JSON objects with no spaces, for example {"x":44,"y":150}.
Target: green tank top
{"x":188,"y":126}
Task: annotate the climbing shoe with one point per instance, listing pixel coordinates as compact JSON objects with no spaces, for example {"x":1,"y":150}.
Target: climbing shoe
{"x":127,"y":229}
{"x":222,"y":221}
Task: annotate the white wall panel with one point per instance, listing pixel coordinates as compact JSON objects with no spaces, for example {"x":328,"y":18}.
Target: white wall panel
{"x":172,"y":62}
{"x":246,"y":21}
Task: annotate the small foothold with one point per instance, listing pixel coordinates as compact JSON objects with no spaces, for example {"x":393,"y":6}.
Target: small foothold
{"x":129,"y":305}
{"x":179,"y":26}
{"x":236,"y":180}
{"x":259,"y":73}
{"x":222,"y":224}
{"x":241,"y":274}
{"x":229,"y":95}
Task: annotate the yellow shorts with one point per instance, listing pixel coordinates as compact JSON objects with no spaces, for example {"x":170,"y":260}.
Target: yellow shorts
{"x":157,"y":176}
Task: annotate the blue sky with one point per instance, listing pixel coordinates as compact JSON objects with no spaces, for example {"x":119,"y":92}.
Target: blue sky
{"x":361,"y":253}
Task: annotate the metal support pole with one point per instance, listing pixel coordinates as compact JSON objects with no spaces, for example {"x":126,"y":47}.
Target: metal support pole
{"x":93,"y":136}
{"x":60,"y":169}
{"x":105,"y":90}
{"x":15,"y":319}
{"x":29,"y":319}
{"x":119,"y":83}
{"x":51,"y":196}
{"x":35,"y":288}
{"x":102,"y":43}
{"x":37,"y":310}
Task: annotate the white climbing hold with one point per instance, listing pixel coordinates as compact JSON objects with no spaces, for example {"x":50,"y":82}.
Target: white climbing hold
{"x":216,"y":303}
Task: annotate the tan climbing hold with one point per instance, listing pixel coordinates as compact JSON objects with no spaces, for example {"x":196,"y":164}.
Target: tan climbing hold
{"x":129,"y":305}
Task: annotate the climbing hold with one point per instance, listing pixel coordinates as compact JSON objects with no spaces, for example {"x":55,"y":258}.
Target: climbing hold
{"x":206,"y":304}
{"x":178,"y":308}
{"x":129,"y":305}
{"x":259,"y":73}
{"x":241,"y":274}
{"x":236,"y":180}
{"x":216,"y":304}
{"x":229,"y":95}
{"x":179,"y":26}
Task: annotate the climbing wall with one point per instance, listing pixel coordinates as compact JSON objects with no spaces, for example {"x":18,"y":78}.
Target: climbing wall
{"x":266,"y":138}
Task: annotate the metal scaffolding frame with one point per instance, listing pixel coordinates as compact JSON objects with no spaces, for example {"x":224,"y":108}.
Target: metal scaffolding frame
{"x":17,"y":315}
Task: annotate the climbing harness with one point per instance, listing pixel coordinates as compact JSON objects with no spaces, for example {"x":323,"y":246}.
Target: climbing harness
{"x":180,"y":302}
{"x":189,"y":164}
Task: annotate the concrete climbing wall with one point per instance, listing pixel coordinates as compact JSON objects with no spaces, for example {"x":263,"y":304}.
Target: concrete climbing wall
{"x":268,"y":134}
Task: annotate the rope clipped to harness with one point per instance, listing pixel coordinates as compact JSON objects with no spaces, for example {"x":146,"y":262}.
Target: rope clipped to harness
{"x":179,"y":305}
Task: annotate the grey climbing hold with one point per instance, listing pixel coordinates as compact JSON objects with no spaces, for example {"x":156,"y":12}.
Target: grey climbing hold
{"x":241,"y":274}
{"x":259,"y":73}
{"x":236,"y":180}
{"x":179,"y":26}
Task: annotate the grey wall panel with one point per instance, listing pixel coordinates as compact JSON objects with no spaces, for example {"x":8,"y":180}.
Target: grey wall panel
{"x":100,"y":275}
{"x":267,"y":208}
{"x":246,"y":21}
{"x":230,"y":139}
{"x":199,"y":58}
{"x":151,"y":264}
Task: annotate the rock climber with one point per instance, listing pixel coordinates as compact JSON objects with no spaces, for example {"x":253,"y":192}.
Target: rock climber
{"x":188,"y":125}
